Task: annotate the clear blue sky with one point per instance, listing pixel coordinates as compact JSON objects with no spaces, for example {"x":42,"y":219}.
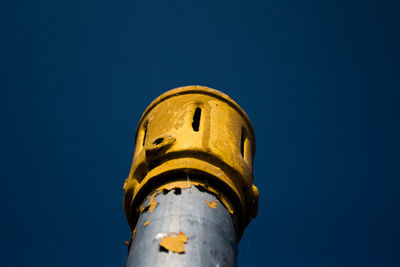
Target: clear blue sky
{"x":320,"y":81}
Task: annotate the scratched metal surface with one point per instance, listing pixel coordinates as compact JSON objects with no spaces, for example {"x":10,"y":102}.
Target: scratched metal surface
{"x":211,"y":232}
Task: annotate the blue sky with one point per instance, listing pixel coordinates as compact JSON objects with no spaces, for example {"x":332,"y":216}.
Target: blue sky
{"x":319,"y":80}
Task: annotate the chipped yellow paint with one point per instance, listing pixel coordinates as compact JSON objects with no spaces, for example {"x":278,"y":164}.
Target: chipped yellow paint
{"x":212,"y":204}
{"x":222,"y":198}
{"x":177,"y":184}
{"x":146,"y":223}
{"x":187,"y":184}
{"x":152,"y":204}
{"x":218,"y":148}
{"x":133,"y":234}
{"x":174,"y":242}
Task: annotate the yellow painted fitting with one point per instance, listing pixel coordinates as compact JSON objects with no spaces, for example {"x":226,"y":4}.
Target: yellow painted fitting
{"x":195,"y":132}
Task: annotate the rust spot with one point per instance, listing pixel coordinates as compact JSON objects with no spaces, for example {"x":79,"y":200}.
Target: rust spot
{"x":174,"y":242}
{"x":212,"y":204}
{"x":146,"y":223}
{"x":126,"y":243}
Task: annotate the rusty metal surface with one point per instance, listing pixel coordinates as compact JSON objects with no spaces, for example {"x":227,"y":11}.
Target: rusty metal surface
{"x":198,"y":234}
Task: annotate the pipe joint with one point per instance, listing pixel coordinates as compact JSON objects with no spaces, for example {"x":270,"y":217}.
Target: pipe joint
{"x":200,"y":132}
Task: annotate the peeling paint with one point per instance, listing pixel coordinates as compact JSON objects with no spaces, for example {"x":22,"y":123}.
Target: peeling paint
{"x":184,"y":185}
{"x":152,"y":205}
{"x":212,"y":204}
{"x":133,"y":234}
{"x":129,"y":243}
{"x":174,"y":242}
{"x":201,"y":187}
{"x":146,"y":223}
{"x":216,"y":194}
{"x":178,"y":184}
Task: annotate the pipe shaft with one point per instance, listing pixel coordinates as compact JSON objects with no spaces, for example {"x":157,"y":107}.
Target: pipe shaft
{"x":184,"y":215}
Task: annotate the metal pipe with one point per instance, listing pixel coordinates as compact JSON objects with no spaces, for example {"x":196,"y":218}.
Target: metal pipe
{"x":196,"y":219}
{"x":190,"y":192}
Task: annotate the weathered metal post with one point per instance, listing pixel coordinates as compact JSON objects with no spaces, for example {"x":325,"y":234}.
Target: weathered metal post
{"x":190,"y":192}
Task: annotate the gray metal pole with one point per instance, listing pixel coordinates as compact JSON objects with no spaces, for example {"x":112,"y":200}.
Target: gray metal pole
{"x":211,"y":236}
